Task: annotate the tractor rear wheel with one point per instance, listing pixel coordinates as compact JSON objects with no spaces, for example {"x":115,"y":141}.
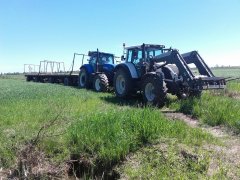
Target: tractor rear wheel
{"x":83,"y":79}
{"x":122,"y":83}
{"x":100,"y":83}
{"x":154,"y":90}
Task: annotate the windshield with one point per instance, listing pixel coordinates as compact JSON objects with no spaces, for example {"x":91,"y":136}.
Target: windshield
{"x":152,"y":52}
{"x":103,"y":59}
{"x":106,"y":59}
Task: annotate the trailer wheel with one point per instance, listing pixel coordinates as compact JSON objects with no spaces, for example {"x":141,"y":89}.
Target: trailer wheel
{"x":35,"y":79}
{"x":50,"y":80}
{"x":154,"y":90}
{"x":66,"y":81}
{"x":100,"y":83}
{"x":122,"y":83}
{"x":28,"y":79}
{"x":83,"y":79}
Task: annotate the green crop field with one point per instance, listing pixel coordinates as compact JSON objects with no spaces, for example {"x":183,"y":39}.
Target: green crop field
{"x":65,"y":131}
{"x":227,"y":71}
{"x":233,"y":87}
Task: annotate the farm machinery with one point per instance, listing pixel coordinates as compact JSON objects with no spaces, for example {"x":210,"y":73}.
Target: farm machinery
{"x":98,"y":73}
{"x":155,"y":71}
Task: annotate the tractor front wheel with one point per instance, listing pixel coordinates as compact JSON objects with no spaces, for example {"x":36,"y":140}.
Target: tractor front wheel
{"x":154,"y":90}
{"x":100,"y":83}
{"x":122,"y":83}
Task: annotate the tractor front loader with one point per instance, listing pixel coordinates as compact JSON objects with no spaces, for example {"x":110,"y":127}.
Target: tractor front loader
{"x":186,"y":83}
{"x":155,"y":71}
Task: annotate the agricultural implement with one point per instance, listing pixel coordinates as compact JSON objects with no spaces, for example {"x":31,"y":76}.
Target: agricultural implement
{"x":97,"y":73}
{"x":155,"y":71}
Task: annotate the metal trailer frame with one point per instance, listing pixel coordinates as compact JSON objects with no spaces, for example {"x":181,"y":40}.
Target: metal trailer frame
{"x":53,"y":72}
{"x":34,"y":68}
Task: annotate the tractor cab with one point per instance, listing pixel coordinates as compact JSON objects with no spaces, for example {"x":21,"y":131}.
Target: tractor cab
{"x":100,"y":58}
{"x":141,"y":56}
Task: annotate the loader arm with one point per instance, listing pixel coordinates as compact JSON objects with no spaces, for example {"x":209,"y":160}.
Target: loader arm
{"x":193,"y":82}
{"x":174,"y":57}
{"x":195,"y":58}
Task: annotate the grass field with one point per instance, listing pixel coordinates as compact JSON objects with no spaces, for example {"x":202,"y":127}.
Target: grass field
{"x":227,"y":71}
{"x":94,"y":133}
{"x":233,"y":87}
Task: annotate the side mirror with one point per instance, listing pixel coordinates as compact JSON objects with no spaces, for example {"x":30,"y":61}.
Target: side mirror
{"x":122,"y":58}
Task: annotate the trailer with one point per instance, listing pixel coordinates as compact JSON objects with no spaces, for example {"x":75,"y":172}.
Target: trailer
{"x":97,"y":72}
{"x":53,"y":72}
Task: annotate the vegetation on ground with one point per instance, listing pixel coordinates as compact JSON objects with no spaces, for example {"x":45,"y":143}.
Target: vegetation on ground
{"x":96,"y":132}
{"x":226,"y":71}
{"x":70,"y":124}
{"x":211,"y":109}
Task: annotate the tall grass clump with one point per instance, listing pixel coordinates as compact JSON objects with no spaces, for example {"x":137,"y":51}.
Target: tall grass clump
{"x":213,"y":110}
{"x":234,"y":86}
{"x":108,"y":137}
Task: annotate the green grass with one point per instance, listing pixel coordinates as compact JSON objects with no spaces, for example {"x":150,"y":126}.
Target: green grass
{"x":114,"y":134}
{"x":84,"y":124}
{"x":213,"y":110}
{"x":233,"y":87}
{"x":17,"y":77}
{"x":227,"y":71}
{"x":153,"y":161}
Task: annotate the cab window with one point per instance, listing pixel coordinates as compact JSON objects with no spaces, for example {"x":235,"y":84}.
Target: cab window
{"x":153,"y":52}
{"x":134,"y":56}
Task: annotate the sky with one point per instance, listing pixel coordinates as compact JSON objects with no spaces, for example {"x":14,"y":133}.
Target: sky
{"x":35,"y":30}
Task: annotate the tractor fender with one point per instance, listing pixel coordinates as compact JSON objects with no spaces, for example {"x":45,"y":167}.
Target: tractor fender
{"x":171,"y":71}
{"x":88,"y":68}
{"x":129,"y":67}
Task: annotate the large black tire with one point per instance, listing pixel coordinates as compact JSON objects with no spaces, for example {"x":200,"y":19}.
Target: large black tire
{"x":100,"y":83}
{"x":28,"y":79}
{"x":50,"y":80}
{"x":36,"y":79}
{"x":66,"y":81}
{"x":83,"y":81}
{"x":123,"y":83}
{"x":154,"y":90}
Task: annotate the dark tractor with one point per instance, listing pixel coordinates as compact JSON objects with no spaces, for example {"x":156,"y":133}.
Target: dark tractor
{"x":155,"y":71}
{"x":98,"y":73}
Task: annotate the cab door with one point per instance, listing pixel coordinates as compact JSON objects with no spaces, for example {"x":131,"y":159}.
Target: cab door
{"x":135,"y":56}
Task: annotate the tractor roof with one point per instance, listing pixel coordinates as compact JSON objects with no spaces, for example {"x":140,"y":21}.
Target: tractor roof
{"x":147,"y":46}
{"x":90,"y":53}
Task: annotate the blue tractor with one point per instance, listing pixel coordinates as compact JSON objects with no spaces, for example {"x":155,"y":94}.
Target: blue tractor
{"x":98,"y":73}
